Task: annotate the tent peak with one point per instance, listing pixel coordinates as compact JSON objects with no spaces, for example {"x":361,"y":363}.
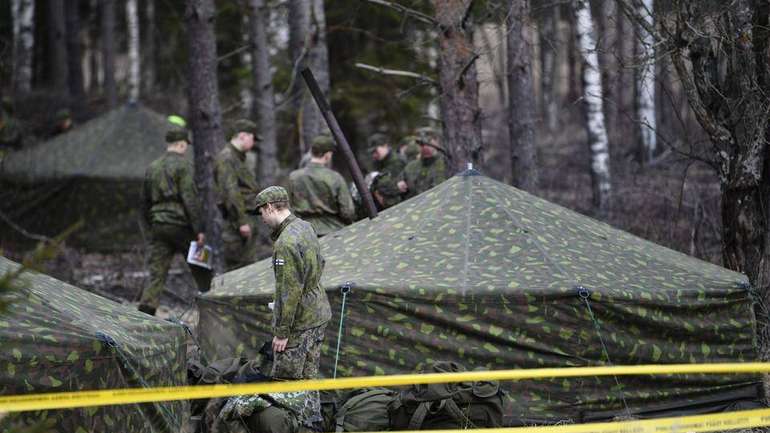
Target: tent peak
{"x":470,"y":171}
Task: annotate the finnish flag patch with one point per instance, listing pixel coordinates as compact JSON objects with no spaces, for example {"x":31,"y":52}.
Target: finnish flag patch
{"x":279,"y":262}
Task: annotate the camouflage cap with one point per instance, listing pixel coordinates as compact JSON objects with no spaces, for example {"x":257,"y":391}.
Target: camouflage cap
{"x":425,"y":136}
{"x":412,"y":148}
{"x":323,"y":143}
{"x":177,"y":134}
{"x":62,"y":114}
{"x":377,"y":139}
{"x":244,"y":125}
{"x":271,"y":194}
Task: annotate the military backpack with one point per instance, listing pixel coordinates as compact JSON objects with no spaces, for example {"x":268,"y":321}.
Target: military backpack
{"x":365,"y":410}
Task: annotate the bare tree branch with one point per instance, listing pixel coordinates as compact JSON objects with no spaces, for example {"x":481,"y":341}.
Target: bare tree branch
{"x":398,"y":73}
{"x":419,"y":16}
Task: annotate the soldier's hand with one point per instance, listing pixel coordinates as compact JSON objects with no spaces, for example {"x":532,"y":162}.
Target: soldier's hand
{"x":402,"y":186}
{"x":279,"y":344}
{"x":245,"y":231}
{"x":201,"y":240}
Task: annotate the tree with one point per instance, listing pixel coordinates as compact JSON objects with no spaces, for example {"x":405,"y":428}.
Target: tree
{"x":550,"y":48}
{"x":74,"y":56}
{"x":132,"y":25}
{"x":593,"y":109}
{"x":57,"y":44}
{"x":108,"y":51}
{"x":458,"y":98}
{"x":307,"y":48}
{"x":263,"y":104}
{"x":645,"y":83}
{"x":205,"y":115}
{"x":23,"y":42}
{"x":521,"y":97}
{"x":148,"y":47}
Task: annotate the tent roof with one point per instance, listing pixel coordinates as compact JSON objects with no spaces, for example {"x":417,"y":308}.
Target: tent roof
{"x":472,"y":236}
{"x":119,"y":145}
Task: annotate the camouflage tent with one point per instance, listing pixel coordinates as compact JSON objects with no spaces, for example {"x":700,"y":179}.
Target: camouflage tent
{"x":481,"y":273}
{"x":94,"y":173}
{"x":56,"y":337}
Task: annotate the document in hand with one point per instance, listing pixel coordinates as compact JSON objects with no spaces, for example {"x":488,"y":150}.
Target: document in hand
{"x":199,"y":256}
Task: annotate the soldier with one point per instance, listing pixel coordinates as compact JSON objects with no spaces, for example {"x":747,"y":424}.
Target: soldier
{"x":62,"y":122}
{"x":389,"y":165}
{"x":301,"y":309}
{"x":319,"y":194}
{"x":237,"y":185}
{"x":173,"y":214}
{"x":428,"y":171}
{"x":408,"y":149}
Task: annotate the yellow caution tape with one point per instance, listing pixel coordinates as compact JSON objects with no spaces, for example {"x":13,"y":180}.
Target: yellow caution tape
{"x":66,"y":400}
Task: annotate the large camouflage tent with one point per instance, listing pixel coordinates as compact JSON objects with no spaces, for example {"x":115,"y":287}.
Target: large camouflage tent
{"x":56,"y":338}
{"x":479,"y":272}
{"x":93,"y":173}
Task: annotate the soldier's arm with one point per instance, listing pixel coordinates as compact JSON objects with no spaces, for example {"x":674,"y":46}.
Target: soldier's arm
{"x":189,"y":195}
{"x":146,"y":199}
{"x":231,"y":195}
{"x":345,"y":201}
{"x":288,"y":283}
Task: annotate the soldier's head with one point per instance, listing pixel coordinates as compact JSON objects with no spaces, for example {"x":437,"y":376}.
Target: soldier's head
{"x":322,"y":148}
{"x":273,"y":205}
{"x":243,"y":134}
{"x":408,"y":148}
{"x":428,"y":139}
{"x":63,"y":119}
{"x":177,"y":136}
{"x":379,"y":146}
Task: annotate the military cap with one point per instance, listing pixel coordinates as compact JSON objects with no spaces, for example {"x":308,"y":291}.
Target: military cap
{"x":244,"y":125}
{"x":412,"y":148}
{"x":425,"y":135}
{"x":272,"y":194}
{"x":377,"y":139}
{"x":323,"y":143}
{"x":62,"y":114}
{"x":177,"y":134}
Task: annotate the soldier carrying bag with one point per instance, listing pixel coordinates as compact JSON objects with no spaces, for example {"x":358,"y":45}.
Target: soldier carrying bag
{"x":448,"y":405}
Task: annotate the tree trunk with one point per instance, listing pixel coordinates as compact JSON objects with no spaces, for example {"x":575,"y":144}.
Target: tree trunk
{"x":263,"y":101}
{"x":550,"y":47}
{"x":307,"y":48}
{"x":57,"y":46}
{"x":93,"y":49}
{"x":205,"y":115}
{"x":645,"y":84}
{"x":593,"y":110}
{"x":108,"y":51}
{"x":148,"y":48}
{"x":74,"y":58}
{"x":521,"y":98}
{"x":247,"y":91}
{"x":132,"y":29}
{"x":23,"y":44}
{"x":459,"y":86}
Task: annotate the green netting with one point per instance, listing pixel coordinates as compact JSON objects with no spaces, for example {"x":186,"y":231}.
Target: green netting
{"x":94,"y":173}
{"x":482,"y":273}
{"x":56,"y":338}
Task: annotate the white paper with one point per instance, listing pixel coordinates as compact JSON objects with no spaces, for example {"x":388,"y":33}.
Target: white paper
{"x":199,"y":256}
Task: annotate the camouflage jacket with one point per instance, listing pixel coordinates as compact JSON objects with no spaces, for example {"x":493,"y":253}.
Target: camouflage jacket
{"x":321,"y":197}
{"x":170,"y":196}
{"x":300,"y":301}
{"x":423,"y":174}
{"x":386,"y":182}
{"x":237,"y":185}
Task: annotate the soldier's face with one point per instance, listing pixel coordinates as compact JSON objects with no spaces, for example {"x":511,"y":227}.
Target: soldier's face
{"x":380,"y":152}
{"x":267,"y":213}
{"x":427,"y":151}
{"x":247,"y":141}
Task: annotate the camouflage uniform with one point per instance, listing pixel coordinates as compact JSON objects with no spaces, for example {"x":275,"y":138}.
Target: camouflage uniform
{"x":408,"y":149}
{"x":385,"y":183}
{"x":424,"y":173}
{"x":173,"y":214}
{"x":320,"y":195}
{"x":238,"y":188}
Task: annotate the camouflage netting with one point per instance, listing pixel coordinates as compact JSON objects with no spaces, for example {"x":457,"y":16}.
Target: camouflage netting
{"x":56,"y":338}
{"x":479,"y":272}
{"x":94,"y":173}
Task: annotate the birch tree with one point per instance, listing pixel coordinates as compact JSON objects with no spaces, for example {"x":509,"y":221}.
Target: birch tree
{"x":645,"y":82}
{"x":550,"y":47}
{"x":521,"y":97}
{"x":263,"y":101}
{"x":132,"y":27}
{"x":307,"y":48}
{"x":593,"y":109}
{"x":148,"y":47}
{"x":57,"y":32}
{"x":23,"y":12}
{"x":205,"y":115}
{"x":108,"y":51}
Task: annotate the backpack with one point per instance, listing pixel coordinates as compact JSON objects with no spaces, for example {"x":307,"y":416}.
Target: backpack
{"x":365,"y":410}
{"x":448,"y":405}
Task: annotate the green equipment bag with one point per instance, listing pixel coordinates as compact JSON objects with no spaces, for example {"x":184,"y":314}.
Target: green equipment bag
{"x":365,"y":410}
{"x":448,"y":405}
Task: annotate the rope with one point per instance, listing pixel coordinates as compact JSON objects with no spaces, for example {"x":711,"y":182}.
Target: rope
{"x":585,"y":295}
{"x":345,"y":289}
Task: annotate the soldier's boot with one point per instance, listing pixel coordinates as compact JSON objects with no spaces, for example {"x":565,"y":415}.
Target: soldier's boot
{"x":147,"y":309}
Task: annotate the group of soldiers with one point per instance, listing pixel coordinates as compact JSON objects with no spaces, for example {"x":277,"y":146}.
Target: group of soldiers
{"x":12,"y":134}
{"x":316,"y":202}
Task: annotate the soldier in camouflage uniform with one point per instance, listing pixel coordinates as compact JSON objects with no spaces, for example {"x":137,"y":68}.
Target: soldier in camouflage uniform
{"x":428,"y":171}
{"x":408,"y":149}
{"x":173,"y":213}
{"x":237,"y":186}
{"x":301,"y":309}
{"x":384,"y":187}
{"x":319,"y":194}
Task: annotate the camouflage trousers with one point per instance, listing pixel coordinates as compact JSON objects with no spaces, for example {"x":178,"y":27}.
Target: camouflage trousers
{"x":166,"y":241}
{"x":239,"y":252}
{"x":301,"y":361}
